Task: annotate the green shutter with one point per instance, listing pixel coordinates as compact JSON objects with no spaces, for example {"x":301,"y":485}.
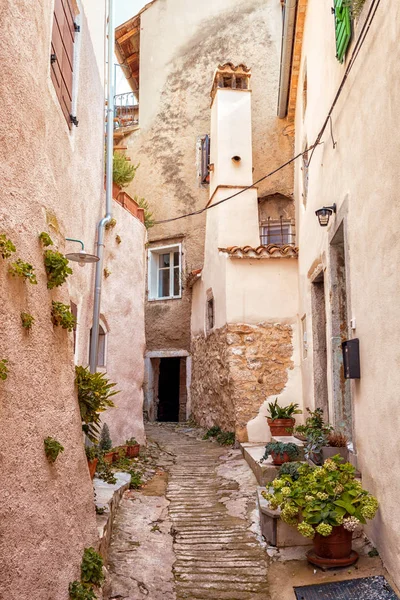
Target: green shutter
{"x":343,"y":28}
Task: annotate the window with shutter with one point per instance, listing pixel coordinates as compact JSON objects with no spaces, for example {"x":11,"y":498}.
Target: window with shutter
{"x":62,"y":52}
{"x":342,"y":28}
{"x":205,"y":159}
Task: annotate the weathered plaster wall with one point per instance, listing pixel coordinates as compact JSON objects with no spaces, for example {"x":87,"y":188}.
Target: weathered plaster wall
{"x":362,"y":177}
{"x":182,"y":42}
{"x":123,"y":306}
{"x":235,"y":368}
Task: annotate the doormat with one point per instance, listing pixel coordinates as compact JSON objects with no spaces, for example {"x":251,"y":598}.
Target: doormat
{"x":366,"y":588}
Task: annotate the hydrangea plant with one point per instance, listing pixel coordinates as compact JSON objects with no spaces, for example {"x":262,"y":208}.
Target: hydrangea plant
{"x":322,"y":498}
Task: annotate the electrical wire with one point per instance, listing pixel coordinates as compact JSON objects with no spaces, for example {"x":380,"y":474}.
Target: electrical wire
{"x":359,"y":43}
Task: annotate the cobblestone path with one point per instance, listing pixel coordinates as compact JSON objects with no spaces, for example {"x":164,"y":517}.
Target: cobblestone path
{"x":206,"y":534}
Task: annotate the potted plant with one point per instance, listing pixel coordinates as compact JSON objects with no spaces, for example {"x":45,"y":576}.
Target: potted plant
{"x":118,"y":452}
{"x":280,"y":452}
{"x":132,"y":448}
{"x":280,"y":420}
{"x":337,"y":444}
{"x":92,"y":459}
{"x":325,"y":504}
{"x":105,"y":445}
{"x":315,"y":433}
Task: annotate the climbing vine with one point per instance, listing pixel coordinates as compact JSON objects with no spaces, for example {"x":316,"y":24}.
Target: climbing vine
{"x":22,"y":269}
{"x":6,"y":246}
{"x":27,"y":320}
{"x":57,"y":268}
{"x":62,"y":316}
{"x":52,"y":449}
{"x":45,"y":239}
{"x":3,"y":369}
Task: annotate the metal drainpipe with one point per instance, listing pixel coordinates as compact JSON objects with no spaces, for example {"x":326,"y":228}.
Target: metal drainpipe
{"x":286,"y":56}
{"x":109,"y":181}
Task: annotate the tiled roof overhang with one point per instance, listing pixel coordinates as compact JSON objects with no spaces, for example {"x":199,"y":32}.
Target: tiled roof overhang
{"x":270,"y":251}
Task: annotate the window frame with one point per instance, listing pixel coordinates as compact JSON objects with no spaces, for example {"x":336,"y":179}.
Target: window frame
{"x":103,"y":326}
{"x":154,"y":264}
{"x":277,"y":223}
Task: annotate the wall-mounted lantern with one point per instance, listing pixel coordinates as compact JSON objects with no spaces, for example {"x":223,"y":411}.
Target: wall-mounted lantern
{"x":324,"y":214}
{"x":81,"y":257}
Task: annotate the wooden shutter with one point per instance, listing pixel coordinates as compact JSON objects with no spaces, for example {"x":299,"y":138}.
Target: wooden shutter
{"x":205,"y":159}
{"x":343,"y":28}
{"x":62,"y":49}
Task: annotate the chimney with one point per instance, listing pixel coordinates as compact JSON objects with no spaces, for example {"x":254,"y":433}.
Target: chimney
{"x":231,"y":166}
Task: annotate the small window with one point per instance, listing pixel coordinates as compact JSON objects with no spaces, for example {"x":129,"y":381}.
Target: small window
{"x":165,"y":273}
{"x":278,"y":232}
{"x":62,"y":52}
{"x":210,"y":314}
{"x":102,"y":349}
{"x":205,"y":159}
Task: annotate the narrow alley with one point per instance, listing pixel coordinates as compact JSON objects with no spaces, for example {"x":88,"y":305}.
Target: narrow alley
{"x":198,"y":542}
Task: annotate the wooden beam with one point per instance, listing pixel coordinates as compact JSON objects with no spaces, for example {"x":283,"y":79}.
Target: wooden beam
{"x":124,"y":38}
{"x":132,"y":57}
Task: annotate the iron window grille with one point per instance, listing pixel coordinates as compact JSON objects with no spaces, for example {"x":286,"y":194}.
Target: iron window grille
{"x":279,"y":232}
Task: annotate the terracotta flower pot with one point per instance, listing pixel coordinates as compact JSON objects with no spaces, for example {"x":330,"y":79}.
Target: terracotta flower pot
{"x":280,"y":427}
{"x":109,"y":457}
{"x":92,"y":464}
{"x":279,"y":459}
{"x":334,"y":546}
{"x":133,"y":451}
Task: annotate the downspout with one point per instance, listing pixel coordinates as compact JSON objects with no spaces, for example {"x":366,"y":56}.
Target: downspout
{"x":289,"y":25}
{"x":109,"y":181}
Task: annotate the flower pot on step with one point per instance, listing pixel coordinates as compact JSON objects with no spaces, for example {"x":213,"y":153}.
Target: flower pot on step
{"x":133,"y":451}
{"x":333,"y":550}
{"x":329,"y":451}
{"x":279,"y":459}
{"x":281,"y":427}
{"x":92,"y":464}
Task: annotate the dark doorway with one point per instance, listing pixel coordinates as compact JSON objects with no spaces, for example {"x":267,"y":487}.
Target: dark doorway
{"x":168,"y":390}
{"x":320,"y":357}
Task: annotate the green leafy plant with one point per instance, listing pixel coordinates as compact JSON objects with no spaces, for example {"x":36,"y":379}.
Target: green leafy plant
{"x":78,"y":591}
{"x":355,"y":7}
{"x":279,"y":449}
{"x":22,"y":269}
{"x":131,"y":442}
{"x":45,"y":239}
{"x":123,"y":170}
{"x":105,"y":443}
{"x":226,"y":438}
{"x":111,"y":224}
{"x":94,"y":396}
{"x":91,"y":452}
{"x":316,"y":433}
{"x":27,"y":320}
{"x":91,"y":567}
{"x":100,"y":510}
{"x":52,"y":449}
{"x":104,"y":472}
{"x":148,"y":215}
{"x":106,"y":273}
{"x":118,"y":239}
{"x":290,"y":468}
{"x":62,"y":316}
{"x":282,"y":412}
{"x":6,"y":246}
{"x":212,"y":432}
{"x":57,"y":269}
{"x":136,"y":479}
{"x":3,"y":369}
{"x":322,"y":498}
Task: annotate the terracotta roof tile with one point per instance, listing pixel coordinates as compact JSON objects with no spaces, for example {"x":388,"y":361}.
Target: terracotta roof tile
{"x":270,"y":251}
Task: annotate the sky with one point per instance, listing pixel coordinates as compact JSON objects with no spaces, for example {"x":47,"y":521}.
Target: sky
{"x":124,"y":10}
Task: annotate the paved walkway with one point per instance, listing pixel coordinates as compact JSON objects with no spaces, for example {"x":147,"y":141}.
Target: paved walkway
{"x":196,"y":539}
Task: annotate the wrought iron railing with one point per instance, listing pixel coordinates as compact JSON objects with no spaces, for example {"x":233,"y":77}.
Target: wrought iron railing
{"x":126,"y":110}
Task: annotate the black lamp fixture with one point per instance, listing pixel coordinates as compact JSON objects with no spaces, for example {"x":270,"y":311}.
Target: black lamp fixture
{"x":324,"y":214}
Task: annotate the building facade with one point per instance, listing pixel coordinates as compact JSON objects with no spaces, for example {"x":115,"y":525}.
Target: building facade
{"x":52,"y":180}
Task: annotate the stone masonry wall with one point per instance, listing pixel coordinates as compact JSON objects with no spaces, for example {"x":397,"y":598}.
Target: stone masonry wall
{"x":235,"y":369}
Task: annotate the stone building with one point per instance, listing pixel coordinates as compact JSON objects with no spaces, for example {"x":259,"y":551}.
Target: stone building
{"x":52,"y":180}
{"x":169,"y":53}
{"x":342,"y":92}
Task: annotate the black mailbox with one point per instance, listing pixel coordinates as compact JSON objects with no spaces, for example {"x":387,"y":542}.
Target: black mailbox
{"x":351,"y":358}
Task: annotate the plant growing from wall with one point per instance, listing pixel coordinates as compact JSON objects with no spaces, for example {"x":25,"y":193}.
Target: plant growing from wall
{"x":148,"y":215}
{"x":94,"y":396}
{"x":45,"y":239}
{"x":92,"y":567}
{"x":105,"y":442}
{"x":212,"y":432}
{"x":27,"y":320}
{"x":22,"y":269}
{"x":52,"y":449}
{"x":62,"y":316}
{"x":118,"y":239}
{"x":123,"y":170}
{"x":6,"y":246}
{"x":3,"y":369}
{"x":111,"y":224}
{"x":57,"y":269}
{"x":106,"y":272}
{"x":79,"y":591}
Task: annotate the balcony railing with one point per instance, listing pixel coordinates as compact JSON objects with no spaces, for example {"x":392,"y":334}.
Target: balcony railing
{"x":126,"y":110}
